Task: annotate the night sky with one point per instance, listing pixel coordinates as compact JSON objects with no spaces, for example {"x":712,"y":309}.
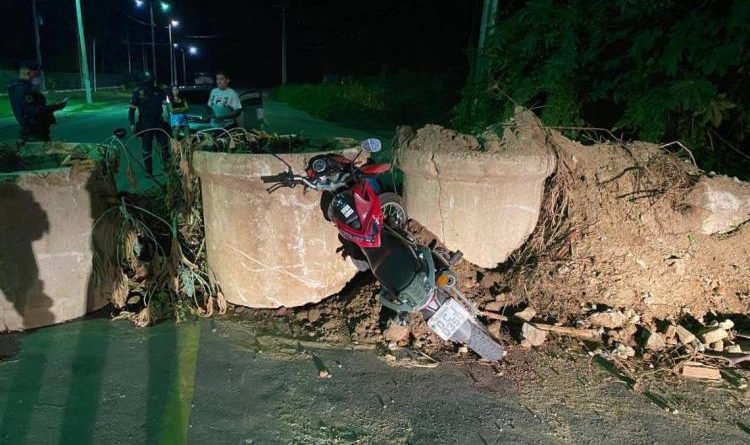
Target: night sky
{"x":341,"y":37}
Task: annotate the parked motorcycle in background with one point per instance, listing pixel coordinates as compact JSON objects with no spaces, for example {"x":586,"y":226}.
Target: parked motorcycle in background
{"x":372,"y":225}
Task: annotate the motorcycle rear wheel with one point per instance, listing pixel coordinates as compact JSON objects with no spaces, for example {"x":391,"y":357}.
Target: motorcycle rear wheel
{"x":394,"y":210}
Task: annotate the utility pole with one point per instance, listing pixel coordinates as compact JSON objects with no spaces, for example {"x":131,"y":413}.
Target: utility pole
{"x":93,"y":62}
{"x":172,"y":56}
{"x":127,"y":42}
{"x":283,"y":44}
{"x":38,"y":42}
{"x":144,"y":61}
{"x":153,"y":40}
{"x":184,"y":68}
{"x":82,"y":52}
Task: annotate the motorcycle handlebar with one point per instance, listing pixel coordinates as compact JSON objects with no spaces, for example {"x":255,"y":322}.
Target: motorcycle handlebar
{"x":289,"y":179}
{"x":275,"y":178}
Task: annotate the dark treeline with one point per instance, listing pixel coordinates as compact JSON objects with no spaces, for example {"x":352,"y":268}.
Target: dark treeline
{"x":656,"y":70}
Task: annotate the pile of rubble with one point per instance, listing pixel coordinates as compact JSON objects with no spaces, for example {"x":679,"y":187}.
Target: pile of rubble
{"x":702,"y":348}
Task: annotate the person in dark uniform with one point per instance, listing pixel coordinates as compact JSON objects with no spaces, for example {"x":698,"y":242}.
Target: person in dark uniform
{"x":149,"y":101}
{"x":29,"y":105}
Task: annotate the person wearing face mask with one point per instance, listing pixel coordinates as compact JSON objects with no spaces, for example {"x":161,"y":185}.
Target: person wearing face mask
{"x":29,"y":105}
{"x":148,"y":101}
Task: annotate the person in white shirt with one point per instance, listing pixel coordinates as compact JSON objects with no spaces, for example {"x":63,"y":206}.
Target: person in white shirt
{"x":224,"y":102}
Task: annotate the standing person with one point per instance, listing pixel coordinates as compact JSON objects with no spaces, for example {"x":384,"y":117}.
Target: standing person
{"x":29,"y":105}
{"x":178,"y":106}
{"x":224,"y":102}
{"x":149,"y":101}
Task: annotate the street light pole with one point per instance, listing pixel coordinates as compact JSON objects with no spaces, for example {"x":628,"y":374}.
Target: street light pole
{"x":93,"y":62}
{"x":184,"y":67}
{"x":127,"y":42}
{"x":283,"y":44}
{"x":171,"y":54}
{"x":38,"y":42}
{"x":82,"y":49}
{"x":153,"y":40}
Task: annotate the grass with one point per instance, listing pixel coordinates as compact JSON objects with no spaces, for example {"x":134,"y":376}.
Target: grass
{"x":77,"y":101}
{"x":381,"y":101}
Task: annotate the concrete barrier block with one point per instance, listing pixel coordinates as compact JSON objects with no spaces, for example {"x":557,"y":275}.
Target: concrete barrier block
{"x":484,"y":202}
{"x":267,"y":251}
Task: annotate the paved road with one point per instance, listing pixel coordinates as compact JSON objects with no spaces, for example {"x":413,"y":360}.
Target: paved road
{"x":97,"y":126}
{"x":221,"y":381}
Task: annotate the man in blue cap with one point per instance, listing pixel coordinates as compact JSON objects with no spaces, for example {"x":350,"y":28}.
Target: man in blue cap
{"x":149,"y":102}
{"x":29,"y":105}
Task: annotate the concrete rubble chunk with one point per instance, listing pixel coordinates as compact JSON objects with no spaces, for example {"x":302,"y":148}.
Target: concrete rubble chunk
{"x":267,"y":251}
{"x":670,"y":332}
{"x":734,"y":349}
{"x":685,"y":336}
{"x":611,"y":319}
{"x":655,"y":342}
{"x":458,"y":192}
{"x":695,"y":370}
{"x":714,"y":335}
{"x":726,"y":324}
{"x":527,"y":314}
{"x":718,"y":205}
{"x":395,"y":332}
{"x":623,"y":351}
{"x":532,"y":336}
{"x":494,"y":306}
{"x":717,"y":346}
{"x":495,"y":328}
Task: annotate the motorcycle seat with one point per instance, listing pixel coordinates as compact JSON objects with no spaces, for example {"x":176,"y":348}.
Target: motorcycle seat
{"x":394,"y":264}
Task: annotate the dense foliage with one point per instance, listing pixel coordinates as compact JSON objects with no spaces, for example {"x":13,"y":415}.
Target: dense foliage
{"x":656,"y":70}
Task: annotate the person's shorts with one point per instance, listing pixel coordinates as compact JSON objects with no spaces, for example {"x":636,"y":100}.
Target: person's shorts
{"x":178,"y":120}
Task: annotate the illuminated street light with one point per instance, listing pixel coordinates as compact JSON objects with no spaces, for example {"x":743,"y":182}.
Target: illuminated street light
{"x":138,"y":3}
{"x":164,"y":6}
{"x":175,"y":23}
{"x":176,"y":45}
{"x":193,"y":50}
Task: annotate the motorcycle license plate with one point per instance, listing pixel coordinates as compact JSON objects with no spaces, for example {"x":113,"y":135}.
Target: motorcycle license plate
{"x":448,"y":319}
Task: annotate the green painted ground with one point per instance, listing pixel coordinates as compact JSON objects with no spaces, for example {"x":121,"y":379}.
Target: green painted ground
{"x":77,"y":102}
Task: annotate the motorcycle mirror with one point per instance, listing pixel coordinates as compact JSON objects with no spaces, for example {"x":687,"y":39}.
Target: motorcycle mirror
{"x":288,"y":166}
{"x":120,"y":133}
{"x":372,"y":145}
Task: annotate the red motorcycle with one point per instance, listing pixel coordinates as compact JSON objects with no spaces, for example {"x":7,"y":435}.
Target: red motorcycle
{"x":413,"y":277}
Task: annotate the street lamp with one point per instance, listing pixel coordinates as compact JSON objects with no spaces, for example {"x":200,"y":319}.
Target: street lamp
{"x":138,"y":4}
{"x":164,"y":7}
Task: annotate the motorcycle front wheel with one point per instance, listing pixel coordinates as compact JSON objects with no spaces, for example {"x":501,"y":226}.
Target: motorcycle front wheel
{"x":394,"y":210}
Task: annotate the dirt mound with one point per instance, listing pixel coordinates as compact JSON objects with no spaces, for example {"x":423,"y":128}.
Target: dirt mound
{"x":636,"y":238}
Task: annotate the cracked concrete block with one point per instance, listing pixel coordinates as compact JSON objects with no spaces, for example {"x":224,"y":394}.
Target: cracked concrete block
{"x":484,"y":202}
{"x":46,"y":259}
{"x":718,"y":205}
{"x":267,"y":250}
